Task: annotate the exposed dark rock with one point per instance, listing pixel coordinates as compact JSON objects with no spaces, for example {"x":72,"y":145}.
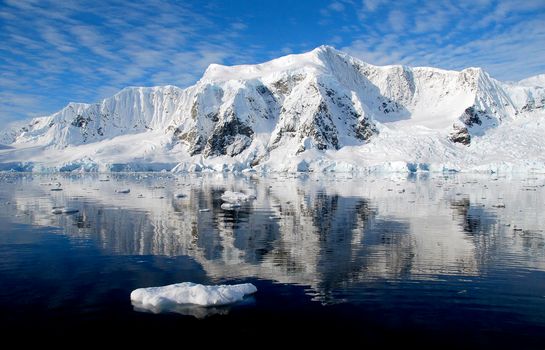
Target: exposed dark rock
{"x":194,"y":110}
{"x":284,"y":86}
{"x":213,"y":116}
{"x":532,"y":105}
{"x":192,"y":139}
{"x":321,"y":129}
{"x":389,"y":106}
{"x":460,"y":135}
{"x":80,"y":121}
{"x":472,"y":116}
{"x":229,"y":138}
{"x":364,"y":130}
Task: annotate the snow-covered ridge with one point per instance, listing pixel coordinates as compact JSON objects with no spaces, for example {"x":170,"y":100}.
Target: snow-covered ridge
{"x":318,"y":111}
{"x":537,"y":80}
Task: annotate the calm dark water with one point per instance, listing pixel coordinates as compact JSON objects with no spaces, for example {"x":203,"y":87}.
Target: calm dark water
{"x":431,"y":261}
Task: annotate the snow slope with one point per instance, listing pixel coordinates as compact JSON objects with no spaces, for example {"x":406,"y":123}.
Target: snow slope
{"x":537,"y":80}
{"x":317,"y":111}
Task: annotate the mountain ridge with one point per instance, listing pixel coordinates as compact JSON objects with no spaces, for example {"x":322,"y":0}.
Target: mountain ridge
{"x":301,"y":112}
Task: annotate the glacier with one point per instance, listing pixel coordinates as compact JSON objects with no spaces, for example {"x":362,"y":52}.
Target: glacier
{"x":320,"y":111}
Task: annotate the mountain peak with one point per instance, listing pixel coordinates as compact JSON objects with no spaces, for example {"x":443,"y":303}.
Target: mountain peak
{"x":326,"y":49}
{"x":316,"y":59}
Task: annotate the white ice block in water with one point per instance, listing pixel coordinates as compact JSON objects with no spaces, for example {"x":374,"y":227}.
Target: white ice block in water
{"x":156,"y":298}
{"x":126,"y":190}
{"x":236,"y":197}
{"x":230,"y":206}
{"x":64,"y":211}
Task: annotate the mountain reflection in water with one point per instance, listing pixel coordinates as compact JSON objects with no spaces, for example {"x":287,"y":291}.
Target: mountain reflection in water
{"x":326,"y":233}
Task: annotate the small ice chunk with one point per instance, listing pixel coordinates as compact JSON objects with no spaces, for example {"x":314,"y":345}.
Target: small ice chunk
{"x":230,"y":206}
{"x":61,"y":210}
{"x":203,"y":210}
{"x":235,"y":197}
{"x":154,"y":298}
{"x":125,"y":190}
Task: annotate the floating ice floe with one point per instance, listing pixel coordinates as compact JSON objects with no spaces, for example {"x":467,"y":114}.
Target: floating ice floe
{"x":204,"y":210}
{"x":230,"y":206}
{"x":167,"y":298}
{"x":64,"y":211}
{"x":236,"y":197}
{"x":125,"y":190}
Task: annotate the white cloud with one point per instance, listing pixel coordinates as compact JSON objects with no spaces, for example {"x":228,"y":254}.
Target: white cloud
{"x":498,"y":36}
{"x":336,"y":6}
{"x":78,"y":51}
{"x":372,"y":5}
{"x":396,"y":19}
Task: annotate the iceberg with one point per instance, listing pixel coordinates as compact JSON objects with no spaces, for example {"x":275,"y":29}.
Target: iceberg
{"x":170,"y":297}
{"x":230,"y":206}
{"x":236,"y":197}
{"x":60,"y":210}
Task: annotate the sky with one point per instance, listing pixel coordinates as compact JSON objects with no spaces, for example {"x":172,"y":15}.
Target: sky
{"x":56,"y":51}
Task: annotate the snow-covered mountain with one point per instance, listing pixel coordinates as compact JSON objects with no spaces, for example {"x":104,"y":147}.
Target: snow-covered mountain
{"x":317,"y":111}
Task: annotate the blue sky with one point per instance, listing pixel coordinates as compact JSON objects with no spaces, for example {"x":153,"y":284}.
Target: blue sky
{"x":54,"y":52}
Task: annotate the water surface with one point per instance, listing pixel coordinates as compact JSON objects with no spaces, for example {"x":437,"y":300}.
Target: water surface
{"x":429,"y":260}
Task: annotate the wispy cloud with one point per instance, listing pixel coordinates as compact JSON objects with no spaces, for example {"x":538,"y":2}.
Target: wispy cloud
{"x":507,"y":37}
{"x":372,"y":5}
{"x":85,"y":50}
{"x":396,"y":20}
